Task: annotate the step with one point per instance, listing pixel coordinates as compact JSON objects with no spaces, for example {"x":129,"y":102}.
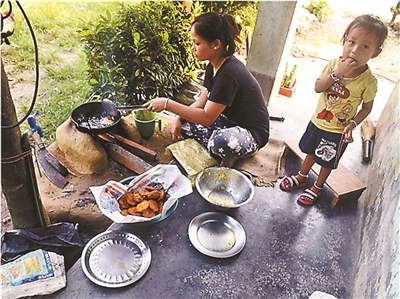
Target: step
{"x":341,"y":181}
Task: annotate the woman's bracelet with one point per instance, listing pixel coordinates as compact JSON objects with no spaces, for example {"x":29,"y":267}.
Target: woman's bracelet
{"x":355,"y":124}
{"x":166,"y":103}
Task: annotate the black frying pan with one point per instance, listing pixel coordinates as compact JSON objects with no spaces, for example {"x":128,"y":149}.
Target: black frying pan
{"x":82,"y":115}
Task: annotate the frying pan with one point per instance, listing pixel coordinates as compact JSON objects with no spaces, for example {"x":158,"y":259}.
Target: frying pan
{"x":82,"y":113}
{"x":99,"y":110}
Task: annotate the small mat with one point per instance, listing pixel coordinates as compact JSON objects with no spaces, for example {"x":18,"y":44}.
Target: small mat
{"x":266,"y":166}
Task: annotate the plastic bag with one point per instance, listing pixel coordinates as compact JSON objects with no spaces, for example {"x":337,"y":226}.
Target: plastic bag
{"x":61,"y":238}
{"x":35,"y":273}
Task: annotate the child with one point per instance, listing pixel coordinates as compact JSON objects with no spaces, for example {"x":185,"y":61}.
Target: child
{"x":345,"y":83}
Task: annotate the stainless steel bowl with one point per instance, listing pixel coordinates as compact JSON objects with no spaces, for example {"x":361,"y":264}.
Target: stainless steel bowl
{"x":224,"y":188}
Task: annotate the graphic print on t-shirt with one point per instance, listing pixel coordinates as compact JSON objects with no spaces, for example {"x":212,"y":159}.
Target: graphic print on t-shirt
{"x":334,"y":95}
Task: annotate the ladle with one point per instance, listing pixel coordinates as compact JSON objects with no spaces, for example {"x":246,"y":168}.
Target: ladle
{"x":112,"y":109}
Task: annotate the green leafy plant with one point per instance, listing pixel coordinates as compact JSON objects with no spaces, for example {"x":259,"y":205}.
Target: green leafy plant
{"x":140,"y":51}
{"x":289,"y":78}
{"x":244,"y":12}
{"x":319,"y":8}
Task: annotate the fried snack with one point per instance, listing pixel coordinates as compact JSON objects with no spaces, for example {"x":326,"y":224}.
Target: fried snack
{"x":148,"y":213}
{"x":142,"y":206}
{"x":133,"y":211}
{"x":129,"y":198}
{"x":160,"y":207}
{"x":150,"y":188}
{"x":153,"y":205}
{"x":137,"y":198}
{"x":146,"y":202}
{"x":154,"y":195}
{"x":143,"y":193}
{"x":122,"y":203}
{"x":162,"y":195}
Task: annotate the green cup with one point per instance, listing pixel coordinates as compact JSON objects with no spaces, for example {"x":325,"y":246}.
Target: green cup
{"x":145,"y":122}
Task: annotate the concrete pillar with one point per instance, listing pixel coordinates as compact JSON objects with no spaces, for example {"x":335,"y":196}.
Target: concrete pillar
{"x":272,"y":39}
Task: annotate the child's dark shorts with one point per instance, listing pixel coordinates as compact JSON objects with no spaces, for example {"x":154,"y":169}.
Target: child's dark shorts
{"x":326,"y":147}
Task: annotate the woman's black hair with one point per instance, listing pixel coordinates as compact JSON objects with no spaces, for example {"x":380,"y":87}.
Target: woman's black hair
{"x":212,"y":26}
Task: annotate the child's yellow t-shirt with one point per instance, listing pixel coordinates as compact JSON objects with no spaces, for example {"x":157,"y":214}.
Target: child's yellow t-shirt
{"x":339,"y":104}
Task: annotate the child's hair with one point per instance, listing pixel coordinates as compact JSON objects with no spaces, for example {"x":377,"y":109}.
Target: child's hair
{"x":371,"y":24}
{"x":211,"y":26}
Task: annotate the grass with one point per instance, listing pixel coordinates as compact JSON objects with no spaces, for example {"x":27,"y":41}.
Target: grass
{"x":63,"y":84}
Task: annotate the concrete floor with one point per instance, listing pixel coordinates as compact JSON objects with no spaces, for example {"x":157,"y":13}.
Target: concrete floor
{"x":291,"y":250}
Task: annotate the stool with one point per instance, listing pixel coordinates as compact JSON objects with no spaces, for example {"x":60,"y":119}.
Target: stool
{"x":341,"y":181}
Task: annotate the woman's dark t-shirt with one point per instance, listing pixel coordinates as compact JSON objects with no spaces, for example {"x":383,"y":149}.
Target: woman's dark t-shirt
{"x":235,"y":87}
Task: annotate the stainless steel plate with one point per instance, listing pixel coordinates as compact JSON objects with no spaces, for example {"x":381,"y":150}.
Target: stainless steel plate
{"x":217,"y":235}
{"x":115,"y":259}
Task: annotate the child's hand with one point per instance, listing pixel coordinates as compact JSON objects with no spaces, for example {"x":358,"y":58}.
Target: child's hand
{"x":348,"y":134}
{"x":345,"y":65}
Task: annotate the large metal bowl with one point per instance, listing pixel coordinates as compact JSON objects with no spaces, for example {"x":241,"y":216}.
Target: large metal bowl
{"x":224,"y":188}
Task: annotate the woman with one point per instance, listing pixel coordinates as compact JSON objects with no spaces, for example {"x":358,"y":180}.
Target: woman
{"x":229,"y":117}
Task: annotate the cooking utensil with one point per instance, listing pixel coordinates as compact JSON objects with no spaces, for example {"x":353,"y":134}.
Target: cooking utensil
{"x":217,"y":235}
{"x":224,"y":188}
{"x":367,"y":134}
{"x":112,"y":109}
{"x":84,"y":117}
{"x":115,"y":259}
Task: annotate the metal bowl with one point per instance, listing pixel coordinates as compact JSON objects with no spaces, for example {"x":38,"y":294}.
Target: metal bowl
{"x":224,"y":188}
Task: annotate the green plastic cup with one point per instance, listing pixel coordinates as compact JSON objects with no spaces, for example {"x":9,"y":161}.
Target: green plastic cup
{"x":145,"y":122}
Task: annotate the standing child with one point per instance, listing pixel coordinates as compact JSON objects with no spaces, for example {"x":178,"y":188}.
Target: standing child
{"x":345,"y":83}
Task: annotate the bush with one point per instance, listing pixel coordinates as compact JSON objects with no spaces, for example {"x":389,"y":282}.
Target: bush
{"x":141,"y":51}
{"x":319,"y":8}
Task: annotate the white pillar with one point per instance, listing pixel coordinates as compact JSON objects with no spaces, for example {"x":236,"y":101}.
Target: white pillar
{"x":272,"y":39}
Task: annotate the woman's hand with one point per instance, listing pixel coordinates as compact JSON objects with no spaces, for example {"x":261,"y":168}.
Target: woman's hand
{"x":156,"y":104}
{"x":176,"y":128}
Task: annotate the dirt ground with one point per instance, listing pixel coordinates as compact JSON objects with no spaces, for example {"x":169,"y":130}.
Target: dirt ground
{"x":307,"y":40}
{"x":75,"y":203}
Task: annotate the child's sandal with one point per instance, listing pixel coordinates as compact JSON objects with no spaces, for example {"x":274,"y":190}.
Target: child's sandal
{"x":293,"y":182}
{"x":309,"y":197}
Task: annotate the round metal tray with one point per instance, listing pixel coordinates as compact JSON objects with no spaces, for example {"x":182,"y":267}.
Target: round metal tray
{"x":115,"y":259}
{"x":217,"y":235}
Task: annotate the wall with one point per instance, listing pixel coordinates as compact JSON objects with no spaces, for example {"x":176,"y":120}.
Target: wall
{"x":377,"y":271}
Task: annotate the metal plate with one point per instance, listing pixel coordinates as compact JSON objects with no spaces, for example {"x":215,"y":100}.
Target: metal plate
{"x":115,"y":259}
{"x":217,"y":235}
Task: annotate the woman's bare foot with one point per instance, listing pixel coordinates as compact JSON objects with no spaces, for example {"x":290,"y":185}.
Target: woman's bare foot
{"x":228,"y":162}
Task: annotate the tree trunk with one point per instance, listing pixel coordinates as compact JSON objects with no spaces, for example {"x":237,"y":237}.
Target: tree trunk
{"x":18,"y":179}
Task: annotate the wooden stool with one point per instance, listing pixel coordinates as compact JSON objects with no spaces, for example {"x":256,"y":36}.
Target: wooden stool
{"x":341,"y":181}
